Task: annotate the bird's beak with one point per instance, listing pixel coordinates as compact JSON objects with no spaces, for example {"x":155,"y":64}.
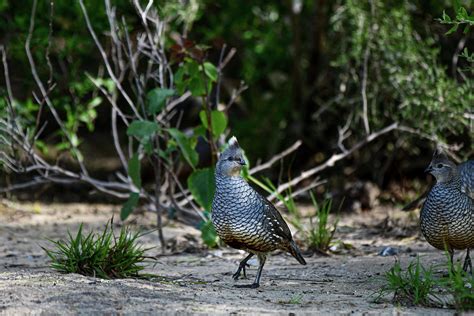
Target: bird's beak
{"x":429,"y":169}
{"x":242,"y":162}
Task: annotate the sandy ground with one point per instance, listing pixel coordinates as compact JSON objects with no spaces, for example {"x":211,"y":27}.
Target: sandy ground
{"x":193,"y":280}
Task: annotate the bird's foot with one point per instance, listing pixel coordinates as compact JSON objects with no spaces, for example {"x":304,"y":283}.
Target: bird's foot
{"x":247,"y":286}
{"x":241,"y":268}
{"x":467,"y":267}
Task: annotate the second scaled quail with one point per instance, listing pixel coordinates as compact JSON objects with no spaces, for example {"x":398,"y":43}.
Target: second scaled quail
{"x":243,"y":218}
{"x":447,"y":216}
{"x":466,"y":172}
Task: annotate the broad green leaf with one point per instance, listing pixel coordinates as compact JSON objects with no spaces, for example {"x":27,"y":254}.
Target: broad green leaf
{"x":208,"y":234}
{"x":142,"y":129}
{"x":129,"y":206}
{"x":211,"y":71}
{"x":197,"y":86}
{"x":156,"y":99}
{"x":201,"y":184}
{"x":134,"y":170}
{"x":192,"y":68}
{"x":200,"y":130}
{"x":218,"y":119}
{"x":186,"y":147}
{"x":179,"y":81}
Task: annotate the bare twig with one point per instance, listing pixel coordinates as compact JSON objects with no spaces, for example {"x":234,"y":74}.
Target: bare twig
{"x":276,"y":158}
{"x":307,"y":188}
{"x":7,"y":80}
{"x":235,"y":94}
{"x":332,"y":160}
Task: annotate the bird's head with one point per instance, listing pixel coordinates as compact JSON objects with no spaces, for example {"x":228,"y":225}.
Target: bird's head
{"x":231,"y":160}
{"x":441,"y":167}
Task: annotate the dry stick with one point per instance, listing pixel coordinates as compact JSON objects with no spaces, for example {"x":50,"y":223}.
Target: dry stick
{"x":235,"y":94}
{"x":7,"y":79}
{"x":450,"y":148}
{"x":332,"y":160}
{"x":136,"y":77}
{"x":157,"y":172}
{"x":109,"y":98}
{"x":116,"y":46}
{"x":365,"y":115}
{"x":106,"y":61}
{"x":455,"y":58}
{"x":41,"y":165}
{"x":48,"y":48}
{"x":275,"y":158}
{"x":364,"y":72}
{"x":311,"y":186}
{"x":116,"y":139}
{"x":171,"y":105}
{"x":186,"y":200}
{"x":154,"y":51}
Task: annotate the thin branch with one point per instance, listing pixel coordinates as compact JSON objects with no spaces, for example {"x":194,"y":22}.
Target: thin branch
{"x":365,"y":115}
{"x":332,"y":160}
{"x":309,"y":187}
{"x":171,"y":105}
{"x":235,"y":94}
{"x":276,"y":158}
{"x":7,"y":80}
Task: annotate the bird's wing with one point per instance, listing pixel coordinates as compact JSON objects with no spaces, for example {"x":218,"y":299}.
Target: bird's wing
{"x":274,"y":221}
{"x":466,"y":170}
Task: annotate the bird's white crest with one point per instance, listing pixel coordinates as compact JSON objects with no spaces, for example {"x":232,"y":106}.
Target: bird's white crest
{"x":233,"y":141}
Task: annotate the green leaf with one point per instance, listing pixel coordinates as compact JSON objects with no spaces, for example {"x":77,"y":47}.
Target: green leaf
{"x":446,"y":18}
{"x":134,"y":170}
{"x":452,"y":29}
{"x":211,"y":71}
{"x":192,"y":68}
{"x":179,"y":81}
{"x":200,"y":130}
{"x":201,"y":184}
{"x":156,"y":99}
{"x":186,"y":147}
{"x":197,"y":86}
{"x":129,"y":206}
{"x":218,"y":119}
{"x":208,"y":234}
{"x":142,"y":129}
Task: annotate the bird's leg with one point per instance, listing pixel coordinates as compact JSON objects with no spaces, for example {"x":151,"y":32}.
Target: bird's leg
{"x":467,"y":263}
{"x":256,"y":283}
{"x":451,"y":255}
{"x":242,"y":266}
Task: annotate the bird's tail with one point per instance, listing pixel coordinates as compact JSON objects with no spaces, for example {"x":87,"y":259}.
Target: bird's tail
{"x":296,"y":252}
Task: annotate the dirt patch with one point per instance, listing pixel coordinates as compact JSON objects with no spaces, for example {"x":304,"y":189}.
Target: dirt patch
{"x":200,"y":282}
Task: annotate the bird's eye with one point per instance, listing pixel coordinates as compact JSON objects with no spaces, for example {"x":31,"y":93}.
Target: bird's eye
{"x":230,"y":158}
{"x":439,"y":166}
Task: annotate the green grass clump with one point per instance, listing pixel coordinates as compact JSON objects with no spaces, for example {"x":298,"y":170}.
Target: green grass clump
{"x":460,"y":285}
{"x":99,"y":255}
{"x":320,"y":233}
{"x":418,"y":285}
{"x":414,"y":286}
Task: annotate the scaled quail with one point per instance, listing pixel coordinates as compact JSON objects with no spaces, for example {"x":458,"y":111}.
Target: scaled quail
{"x":466,"y":170}
{"x":447,"y":216}
{"x":243,"y":218}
